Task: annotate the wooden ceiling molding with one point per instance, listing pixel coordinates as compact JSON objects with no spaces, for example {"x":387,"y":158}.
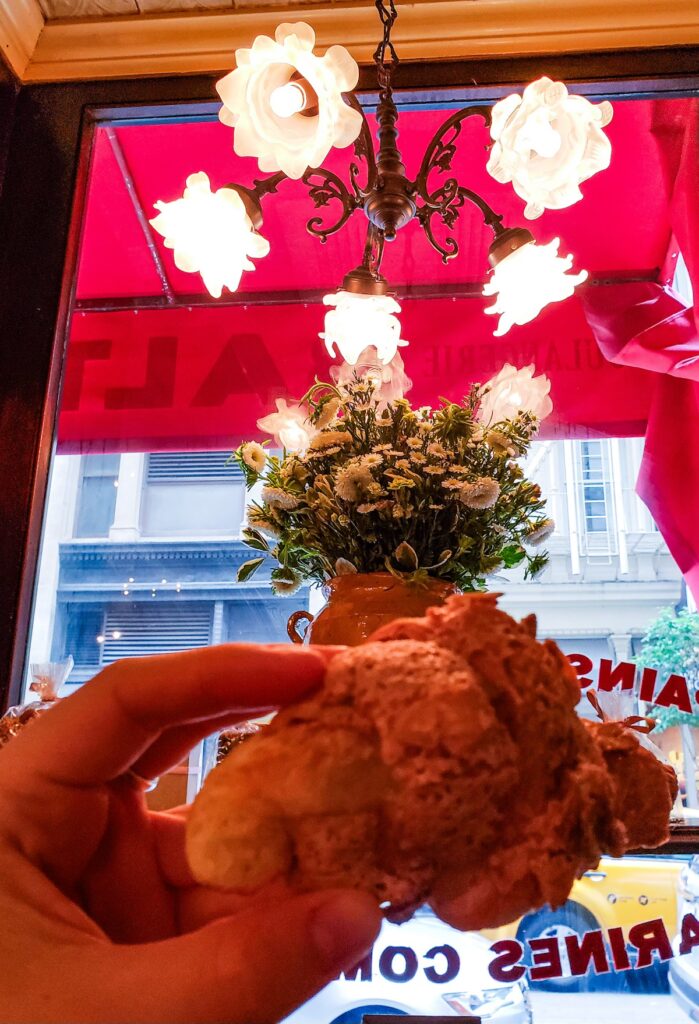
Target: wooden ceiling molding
{"x":164,"y":39}
{"x":21,"y":24}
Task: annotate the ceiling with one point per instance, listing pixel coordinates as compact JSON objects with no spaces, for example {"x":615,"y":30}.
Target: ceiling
{"x":64,"y":40}
{"x":56,"y":9}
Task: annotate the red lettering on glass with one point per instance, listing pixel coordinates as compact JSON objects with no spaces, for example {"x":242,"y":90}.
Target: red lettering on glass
{"x":507,"y":965}
{"x":648,"y":937}
{"x":582,"y":664}
{"x":584,"y":950}
{"x":675,"y":693}
{"x":620,"y":954}
{"x":648,"y":684}
{"x":609,"y":677}
{"x":546,"y":959}
{"x":690,"y":934}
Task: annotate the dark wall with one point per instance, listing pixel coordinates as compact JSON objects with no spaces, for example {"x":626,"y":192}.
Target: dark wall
{"x":8,"y":96}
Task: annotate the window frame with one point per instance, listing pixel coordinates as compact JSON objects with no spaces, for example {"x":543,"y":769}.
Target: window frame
{"x":41,"y":213}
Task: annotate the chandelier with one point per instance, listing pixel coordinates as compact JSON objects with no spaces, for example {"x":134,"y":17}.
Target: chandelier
{"x":289,"y":107}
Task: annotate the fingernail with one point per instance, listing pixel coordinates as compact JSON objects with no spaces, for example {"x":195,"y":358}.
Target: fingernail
{"x":344,"y":927}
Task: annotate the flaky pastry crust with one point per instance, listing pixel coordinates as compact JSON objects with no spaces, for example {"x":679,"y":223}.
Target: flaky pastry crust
{"x":442,"y":762}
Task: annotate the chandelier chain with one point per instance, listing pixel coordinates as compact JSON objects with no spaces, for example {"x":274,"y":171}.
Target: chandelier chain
{"x":385,"y":57}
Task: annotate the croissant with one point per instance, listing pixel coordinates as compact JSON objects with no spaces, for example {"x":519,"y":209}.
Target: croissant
{"x":443,"y":762}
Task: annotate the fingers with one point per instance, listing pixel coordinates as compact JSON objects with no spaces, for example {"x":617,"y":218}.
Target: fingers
{"x":99,"y":732}
{"x":173,"y":745}
{"x":256,"y":967}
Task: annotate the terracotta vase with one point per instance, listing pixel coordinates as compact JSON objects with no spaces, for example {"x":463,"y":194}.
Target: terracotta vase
{"x":360,"y":603}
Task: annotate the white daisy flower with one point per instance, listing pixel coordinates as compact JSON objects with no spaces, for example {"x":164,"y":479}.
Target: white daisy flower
{"x":329,"y":438}
{"x":482,"y":493}
{"x":286,"y":586}
{"x":253,"y":455}
{"x":437,"y":450}
{"x":259,"y":521}
{"x":541,"y":532}
{"x":277,"y":498}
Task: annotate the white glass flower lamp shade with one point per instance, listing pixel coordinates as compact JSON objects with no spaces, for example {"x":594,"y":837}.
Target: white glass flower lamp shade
{"x":390,"y":379}
{"x":512,"y":391}
{"x":289,"y":426}
{"x":285,"y":102}
{"x":526,"y":277}
{"x":546,"y":142}
{"x":363,"y":315}
{"x":211,"y":233}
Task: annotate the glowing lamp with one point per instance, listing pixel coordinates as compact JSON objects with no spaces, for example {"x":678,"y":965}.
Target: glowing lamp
{"x":364,"y":315}
{"x":289,"y":426}
{"x":285,"y":102}
{"x":210,"y":232}
{"x":546,"y":143}
{"x":526,"y":277}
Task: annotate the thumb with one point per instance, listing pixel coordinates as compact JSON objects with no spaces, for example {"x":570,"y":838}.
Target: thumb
{"x":253,"y":968}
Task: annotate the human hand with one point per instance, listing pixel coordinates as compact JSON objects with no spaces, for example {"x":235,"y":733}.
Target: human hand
{"x":101,"y":918}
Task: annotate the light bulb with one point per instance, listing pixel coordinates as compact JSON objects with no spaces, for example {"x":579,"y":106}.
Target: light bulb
{"x":359,"y":321}
{"x":546,"y":142}
{"x":116,"y":634}
{"x":538,"y":135}
{"x":100,"y":638}
{"x":287,"y":100}
{"x":528,"y":279}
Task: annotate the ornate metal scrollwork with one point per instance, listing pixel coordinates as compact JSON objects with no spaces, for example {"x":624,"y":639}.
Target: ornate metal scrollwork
{"x":364,"y":150}
{"x":328,"y":188}
{"x":448,"y":198}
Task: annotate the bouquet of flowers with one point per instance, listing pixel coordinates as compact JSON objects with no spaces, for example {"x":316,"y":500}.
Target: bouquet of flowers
{"x":376,"y":486}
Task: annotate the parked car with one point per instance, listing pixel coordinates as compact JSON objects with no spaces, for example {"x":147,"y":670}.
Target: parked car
{"x":423,"y":967}
{"x":684,"y":970}
{"x":619,"y":892}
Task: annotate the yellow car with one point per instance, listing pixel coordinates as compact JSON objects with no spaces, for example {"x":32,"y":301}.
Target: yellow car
{"x":620,"y":892}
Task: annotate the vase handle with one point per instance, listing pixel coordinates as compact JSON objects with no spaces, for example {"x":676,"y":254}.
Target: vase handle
{"x":293,"y":622}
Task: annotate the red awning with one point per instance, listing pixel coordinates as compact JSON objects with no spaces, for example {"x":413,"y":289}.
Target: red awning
{"x":187,"y":376}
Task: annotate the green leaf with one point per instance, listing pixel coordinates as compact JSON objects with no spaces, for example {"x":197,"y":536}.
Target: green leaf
{"x":249,"y":569}
{"x":406,"y":557}
{"x":254,"y":539}
{"x":512,"y":555}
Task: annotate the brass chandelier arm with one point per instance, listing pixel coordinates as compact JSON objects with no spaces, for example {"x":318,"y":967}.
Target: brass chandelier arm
{"x":441,"y":149}
{"x":327,"y":188}
{"x":252,"y":197}
{"x":446,"y":202}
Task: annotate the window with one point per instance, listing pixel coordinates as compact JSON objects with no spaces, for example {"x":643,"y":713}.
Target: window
{"x":596,"y":496}
{"x":97,"y":497}
{"x":191,"y":493}
{"x":138,"y":629}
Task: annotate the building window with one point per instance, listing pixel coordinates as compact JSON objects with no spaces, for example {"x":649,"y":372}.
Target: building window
{"x":139,"y":629}
{"x":595,"y":491}
{"x":99,"y":478}
{"x":84,"y":625}
{"x":192,"y":494}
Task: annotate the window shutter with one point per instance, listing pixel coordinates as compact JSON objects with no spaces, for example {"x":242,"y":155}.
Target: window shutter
{"x":172,"y":467}
{"x":160,"y":628}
